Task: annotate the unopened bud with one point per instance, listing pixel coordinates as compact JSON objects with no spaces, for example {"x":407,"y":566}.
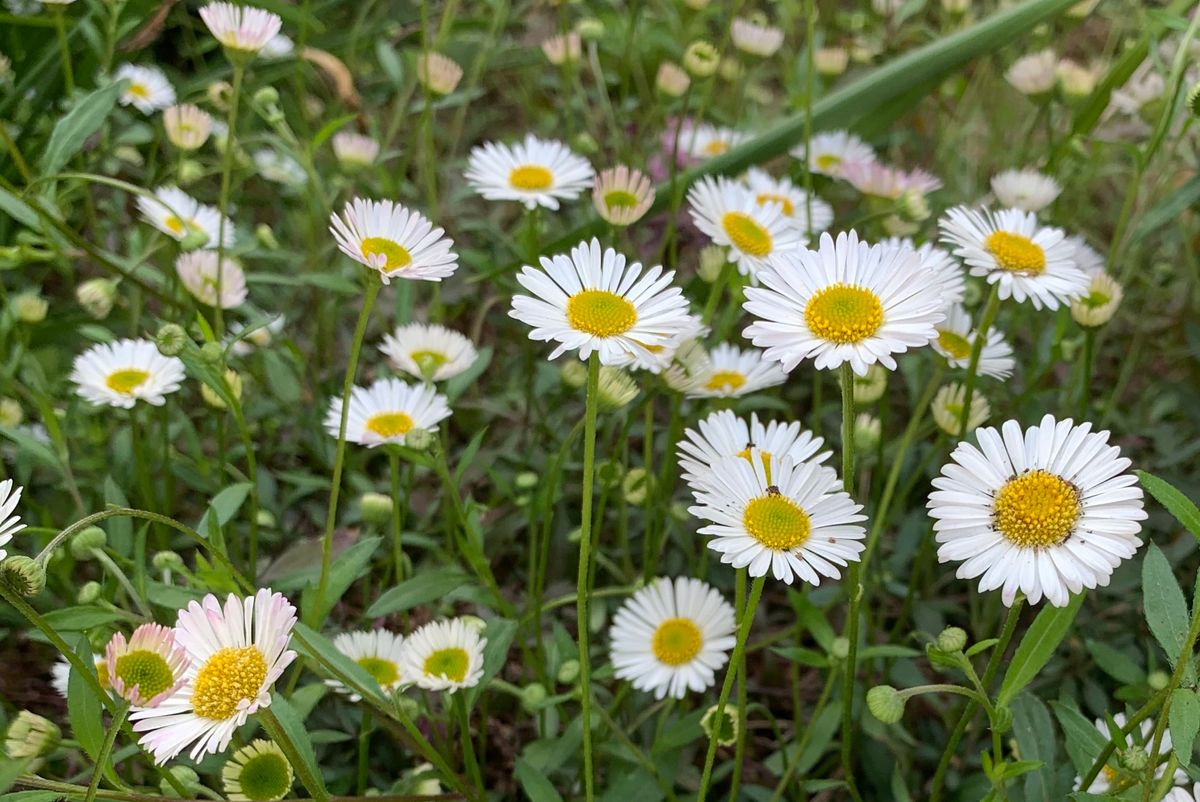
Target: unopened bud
{"x":713,"y":259}
{"x":1193,"y":99}
{"x":636,"y":486}
{"x":376,"y":508}
{"x":526,"y":480}
{"x":23,"y":574}
{"x":839,"y":649}
{"x":532,"y":696}
{"x":218,"y":94}
{"x":568,"y":672}
{"x":11,"y":413}
{"x":166,"y":561}
{"x":952,"y":639}
{"x":419,"y":440}
{"x":96,"y":296}
{"x":1157,"y":680}
{"x":30,"y":735}
{"x":190,"y":171}
{"x":266,"y":237}
{"x":171,"y":339}
{"x":574,"y":374}
{"x":701,"y":59}
{"x":233,"y":383}
{"x":89,"y":593}
{"x":1135,"y":758}
{"x":30,"y":307}
{"x":212,"y":353}
{"x":85,"y":543}
{"x":885,"y":704}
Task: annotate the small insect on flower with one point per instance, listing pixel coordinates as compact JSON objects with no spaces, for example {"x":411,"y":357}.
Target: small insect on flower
{"x":731,"y":216}
{"x":798,"y":523}
{"x":956,"y":340}
{"x":223,"y":285}
{"x":832,"y":151}
{"x":237,"y":651}
{"x":444,"y":656}
{"x":148,"y":89}
{"x":594,"y":300}
{"x":122,"y":373}
{"x":1026,"y":260}
{"x":723,"y":434}
{"x":258,"y":772}
{"x":389,"y":411}
{"x":241,"y":30}
{"x":1027,"y":190}
{"x":731,"y":372}
{"x":671,"y":637}
{"x":10,"y":523}
{"x":622,"y":195}
{"x":797,"y":205}
{"x":1047,"y":511}
{"x":536,"y":172}
{"x":379,"y":652}
{"x":429,"y":352}
{"x":182,"y":217}
{"x":848,"y":302}
{"x":148,"y":667}
{"x":396,"y":241}
{"x":438,"y":73}
{"x":187,"y":126}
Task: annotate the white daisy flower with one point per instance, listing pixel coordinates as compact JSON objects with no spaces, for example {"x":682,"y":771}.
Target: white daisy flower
{"x":1048,"y":511}
{"x":396,"y":241}
{"x":148,"y":89}
{"x":378,"y":652}
{"x":731,"y":373}
{"x":147,"y":668}
{"x":279,"y":168}
{"x":672,"y":636}
{"x":755,"y":39}
{"x":956,"y":338}
{"x":1111,"y":774}
{"x":429,"y":352}
{"x":536,"y":172}
{"x":258,"y":772}
{"x":444,"y":656}
{"x":178,"y":215}
{"x":1034,"y":74}
{"x":387,"y":412}
{"x":890,"y":183}
{"x":277,"y":47}
{"x":200,"y":275}
{"x":833,"y":150}
{"x":593,"y":300}
{"x":1010,"y":249}
{"x":848,"y":302}
{"x":730,"y":215}
{"x":10,"y":524}
{"x":947,"y":408}
{"x":355,"y":151}
{"x":723,"y":434}
{"x":797,"y":206}
{"x":242,"y":29}
{"x":622,"y":195}
{"x":704,"y":141}
{"x":237,"y":651}
{"x":187,"y":126}
{"x":122,"y":373}
{"x":60,"y":675}
{"x":1027,"y":190}
{"x":260,"y":335}
{"x":1181,"y":794}
{"x":939,"y":261}
{"x":799,"y":523}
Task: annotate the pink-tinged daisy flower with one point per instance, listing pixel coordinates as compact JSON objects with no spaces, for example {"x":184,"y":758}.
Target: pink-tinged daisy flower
{"x":148,"y":667}
{"x":242,"y":29}
{"x":395,"y":240}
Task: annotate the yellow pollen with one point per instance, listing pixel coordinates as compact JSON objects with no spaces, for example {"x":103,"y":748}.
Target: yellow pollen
{"x":385,"y":672}
{"x":127,"y":380}
{"x":231,"y":676}
{"x":765,"y":456}
{"x":530,"y":177}
{"x":773,"y":197}
{"x":139,"y":90}
{"x":844,"y":313}
{"x":601,"y":313}
{"x":390,"y":424}
{"x":1016,"y":253}
{"x":450,"y":663}
{"x":1036,"y":509}
{"x":716,"y":147}
{"x":620,"y":199}
{"x":746,"y":234}
{"x":777,"y":522}
{"x":147,"y":670}
{"x":725,"y":381}
{"x":954,"y":344}
{"x":395,"y":255}
{"x":102,"y":673}
{"x":677,"y":641}
{"x":827,"y":161}
{"x":175,"y":225}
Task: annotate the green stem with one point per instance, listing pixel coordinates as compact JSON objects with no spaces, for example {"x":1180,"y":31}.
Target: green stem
{"x":1131,"y":725}
{"x":364,"y":753}
{"x":123,"y":581}
{"x":471,"y":765}
{"x":981,"y":333}
{"x":739,"y":749}
{"x":60,"y":30}
{"x":239,"y":420}
{"x":853,"y":586}
{"x":585,"y":553}
{"x":311,"y":782}
{"x":786,"y":780}
{"x":223,"y":197}
{"x":1182,"y":662}
{"x":396,"y":523}
{"x":739,"y":655}
{"x":1089,"y":359}
{"x":110,"y":738}
{"x":340,"y":454}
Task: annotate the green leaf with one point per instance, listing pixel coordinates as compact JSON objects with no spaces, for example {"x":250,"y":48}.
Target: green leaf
{"x":1037,"y":647}
{"x":422,"y":588}
{"x":76,"y":619}
{"x":296,"y":732}
{"x":17,"y":209}
{"x":1116,"y":664}
{"x":10,"y":770}
{"x":77,"y":125}
{"x":84,"y":710}
{"x":1084,"y":741}
{"x":329,"y":129}
{"x":349,"y":566}
{"x":317,"y":648}
{"x":535,"y":785}
{"x":1035,"y":737}
{"x":499,"y":634}
{"x":1184,"y":721}
{"x":1165,"y":494}
{"x":1166,"y":609}
{"x":224,"y":506}
{"x":805,"y":657}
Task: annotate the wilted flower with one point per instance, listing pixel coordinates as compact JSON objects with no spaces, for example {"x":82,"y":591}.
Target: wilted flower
{"x":671,"y":79}
{"x":187,"y":126}
{"x":562,"y":48}
{"x":438,"y":73}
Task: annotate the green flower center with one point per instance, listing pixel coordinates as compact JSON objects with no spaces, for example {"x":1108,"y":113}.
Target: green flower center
{"x":450,"y":663}
{"x":147,"y":670}
{"x":385,"y":672}
{"x":265,"y":777}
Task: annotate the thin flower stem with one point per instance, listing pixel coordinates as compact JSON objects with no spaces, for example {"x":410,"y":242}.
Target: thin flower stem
{"x":786,"y":780}
{"x":471,"y":765}
{"x":60,"y":30}
{"x":340,"y":454}
{"x":123,"y":581}
{"x":981,"y":333}
{"x":102,"y":758}
{"x":1182,"y":662}
{"x":223,"y":198}
{"x":853,"y":587}
{"x":1089,"y":360}
{"x":311,"y":782}
{"x":239,"y":420}
{"x":364,"y":754}
{"x":585,"y":553}
{"x":397,"y":523}
{"x":739,"y":655}
{"x":739,"y":598}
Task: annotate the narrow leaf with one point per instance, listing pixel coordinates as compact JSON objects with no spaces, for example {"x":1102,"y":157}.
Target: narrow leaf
{"x":1084,"y":741}
{"x":423,"y":588}
{"x":535,"y":785}
{"x":1184,"y":721}
{"x":76,"y":126}
{"x":1165,"y":607}
{"x":1167,"y":495}
{"x":1037,"y":647}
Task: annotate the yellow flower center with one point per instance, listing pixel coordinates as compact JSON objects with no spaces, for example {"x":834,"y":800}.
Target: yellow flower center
{"x":765,"y":456}
{"x":601,"y":313}
{"x":620,"y":199}
{"x":530,"y":177}
{"x":390,"y":424}
{"x":716,"y":147}
{"x":102,"y":673}
{"x":450,"y":663}
{"x":175,"y":225}
{"x":677,"y":641}
{"x":828,"y":161}
{"x":844,"y":313}
{"x":139,"y":90}
{"x":1016,"y":253}
{"x":231,"y":676}
{"x":145,"y":669}
{"x":385,"y":672}
{"x":746,"y":234}
{"x":395,"y":255}
{"x":776,"y":521}
{"x":725,"y":381}
{"x":774,"y":197}
{"x":127,"y":380}
{"x":1036,"y":510}
{"x":954,"y":344}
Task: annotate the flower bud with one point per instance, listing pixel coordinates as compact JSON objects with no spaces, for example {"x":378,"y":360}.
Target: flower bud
{"x":615,"y":389}
{"x":96,"y":296}
{"x":952,"y":639}
{"x":701,"y":59}
{"x":532,"y":696}
{"x":1100,"y":304}
{"x":376,"y":508}
{"x":590,"y":28}
{"x":867,"y":431}
{"x":574,"y":374}
{"x":728,"y":728}
{"x":266,"y":237}
{"x":839,"y":649}
{"x":193,"y":240}
{"x":869,"y":388}
{"x":190,"y":171}
{"x":233,"y":382}
{"x":473,"y":622}
{"x":637,"y":485}
{"x":29,"y":736}
{"x":266,"y":96}
{"x":171,"y":339}
{"x":885,"y":704}
{"x":731,"y":69}
{"x":1157,"y":680}
{"x":11,"y":413}
{"x":212,"y":353}
{"x":30,"y":307}
{"x":713,"y":259}
{"x":672,"y":80}
{"x":23,"y":574}
{"x":420,"y":440}
{"x":526,"y":480}
{"x":166,"y":561}
{"x":265,"y":519}
{"x":831,"y":61}
{"x":438,"y":73}
{"x":914,"y":205}
{"x":568,"y":672}
{"x":610,"y":474}
{"x":89,"y":593}
{"x":1193,"y":99}
{"x":219,"y":93}
{"x":1135,"y":758}
{"x":84,"y":543}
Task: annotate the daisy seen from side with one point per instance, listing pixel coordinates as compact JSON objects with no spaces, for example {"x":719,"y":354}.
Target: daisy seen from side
{"x":387,"y":411}
{"x":396,"y":241}
{"x":122,"y":373}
